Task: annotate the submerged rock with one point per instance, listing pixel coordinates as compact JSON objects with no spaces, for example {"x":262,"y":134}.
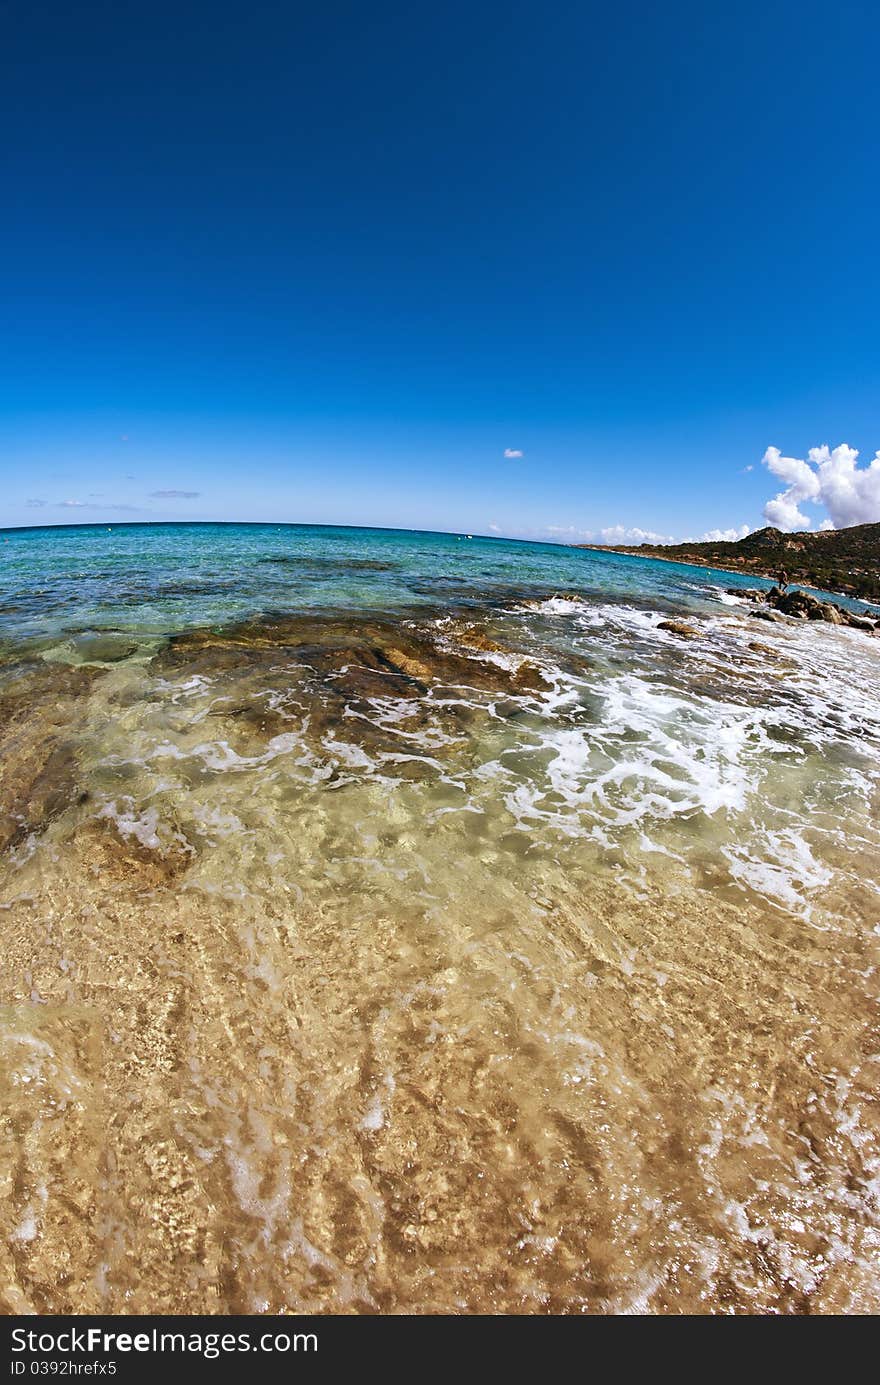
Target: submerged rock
{"x":361,"y":655}
{"x":352,"y":680}
{"x":416,"y":669}
{"x":104,"y":649}
{"x":678,"y":627}
{"x":530,"y":677}
{"x":38,"y":706}
{"x":474,"y":637}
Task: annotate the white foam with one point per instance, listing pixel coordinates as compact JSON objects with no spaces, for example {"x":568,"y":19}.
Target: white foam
{"x":557,"y":606}
{"x":145,"y":826}
{"x":786,"y":872}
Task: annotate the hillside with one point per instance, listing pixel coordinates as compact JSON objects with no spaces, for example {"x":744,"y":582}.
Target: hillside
{"x":841,"y":560}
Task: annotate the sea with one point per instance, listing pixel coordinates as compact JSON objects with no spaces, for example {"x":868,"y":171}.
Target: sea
{"x":405,"y":922}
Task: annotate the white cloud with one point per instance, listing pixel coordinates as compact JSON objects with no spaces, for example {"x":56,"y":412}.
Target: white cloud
{"x":175,"y":495}
{"x":622,"y":534}
{"x":618,"y":533}
{"x":829,"y":477}
{"x":850,"y":494}
{"x":784,"y":514}
{"x":96,"y":505}
{"x":510,"y":452}
{"x":613,"y":534}
{"x":722,"y":535}
{"x":35,"y":504}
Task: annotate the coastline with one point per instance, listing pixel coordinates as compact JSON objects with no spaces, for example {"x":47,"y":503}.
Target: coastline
{"x":655,"y":557}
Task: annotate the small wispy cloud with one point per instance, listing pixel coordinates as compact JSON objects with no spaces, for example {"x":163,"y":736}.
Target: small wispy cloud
{"x":511,"y":452}
{"x":34,"y":504}
{"x":175,"y":495}
{"x":96,"y":505}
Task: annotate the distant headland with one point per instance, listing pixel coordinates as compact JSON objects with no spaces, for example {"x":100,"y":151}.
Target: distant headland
{"x":842,"y":560}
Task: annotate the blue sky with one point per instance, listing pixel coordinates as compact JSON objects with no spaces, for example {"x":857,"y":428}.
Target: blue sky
{"x":328,"y":263}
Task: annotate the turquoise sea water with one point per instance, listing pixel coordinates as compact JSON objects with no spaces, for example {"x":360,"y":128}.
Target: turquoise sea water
{"x":162,"y":578}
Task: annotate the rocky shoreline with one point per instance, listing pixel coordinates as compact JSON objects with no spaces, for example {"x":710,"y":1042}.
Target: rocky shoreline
{"x":768,"y":571}
{"x":776,"y":604}
{"x":840,"y":560}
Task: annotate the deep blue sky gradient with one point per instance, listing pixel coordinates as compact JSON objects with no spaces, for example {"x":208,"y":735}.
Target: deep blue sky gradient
{"x":325,"y":263}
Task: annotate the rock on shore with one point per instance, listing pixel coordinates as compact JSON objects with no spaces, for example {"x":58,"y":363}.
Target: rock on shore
{"x":802,"y":606}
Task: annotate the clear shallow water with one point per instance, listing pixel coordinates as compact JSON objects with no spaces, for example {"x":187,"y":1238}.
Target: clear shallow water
{"x":407,"y":922}
{"x":164,"y":578}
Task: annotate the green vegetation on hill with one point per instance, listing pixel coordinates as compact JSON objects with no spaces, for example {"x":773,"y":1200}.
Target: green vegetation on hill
{"x":841,"y":560}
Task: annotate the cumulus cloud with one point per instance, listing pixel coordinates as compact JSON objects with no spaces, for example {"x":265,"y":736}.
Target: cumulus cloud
{"x":829,"y":477}
{"x":613,"y":534}
{"x":722,"y":535}
{"x":512,"y":452}
{"x":618,"y":533}
{"x":622,"y":534}
{"x":783,"y":513}
{"x":175,"y":495}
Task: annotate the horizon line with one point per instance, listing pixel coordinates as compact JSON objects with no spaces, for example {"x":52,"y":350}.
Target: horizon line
{"x":276,"y":524}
